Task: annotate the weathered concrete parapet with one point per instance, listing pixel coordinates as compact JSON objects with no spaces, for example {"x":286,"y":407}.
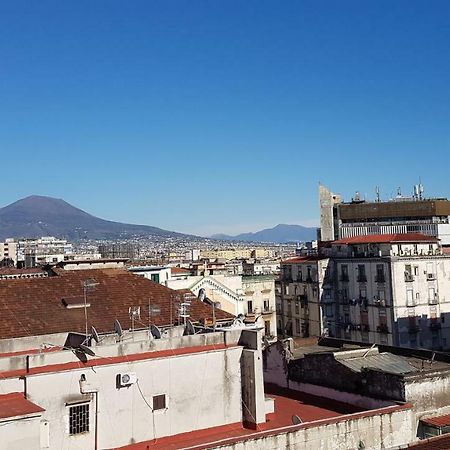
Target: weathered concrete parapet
{"x":253,"y":401}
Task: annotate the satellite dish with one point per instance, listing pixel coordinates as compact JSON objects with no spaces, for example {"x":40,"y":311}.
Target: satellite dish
{"x":201,"y":295}
{"x":87,"y":350}
{"x":118,"y":328}
{"x":95,"y":335}
{"x":156,"y":332}
{"x":189,"y":327}
{"x":296,"y":420}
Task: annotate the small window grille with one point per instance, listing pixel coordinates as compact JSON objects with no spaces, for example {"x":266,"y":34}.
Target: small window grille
{"x":79,"y":418}
{"x":159,"y":402}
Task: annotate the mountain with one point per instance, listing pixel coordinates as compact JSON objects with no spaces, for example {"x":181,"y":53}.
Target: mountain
{"x":280,"y":233}
{"x":37,"y":216}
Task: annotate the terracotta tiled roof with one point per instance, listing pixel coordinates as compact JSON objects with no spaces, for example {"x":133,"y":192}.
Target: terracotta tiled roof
{"x":436,"y":443}
{"x":387,"y":239}
{"x":179,"y":270}
{"x":439,"y":421}
{"x":15,"y":405}
{"x":34,"y":306}
{"x":303,"y":259}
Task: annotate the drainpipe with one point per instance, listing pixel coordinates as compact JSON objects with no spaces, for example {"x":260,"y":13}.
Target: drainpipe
{"x":85,"y":388}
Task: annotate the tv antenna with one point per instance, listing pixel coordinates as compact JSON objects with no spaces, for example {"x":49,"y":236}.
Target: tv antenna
{"x":88,"y":286}
{"x":135,"y":314}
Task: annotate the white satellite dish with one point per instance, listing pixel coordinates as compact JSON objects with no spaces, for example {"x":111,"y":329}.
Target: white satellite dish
{"x":296,"y":420}
{"x":95,"y":335}
{"x":155,"y":331}
{"x":118,"y":328}
{"x":189,"y":327}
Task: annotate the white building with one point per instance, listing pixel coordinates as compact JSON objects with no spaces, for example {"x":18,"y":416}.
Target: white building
{"x":303,"y":297}
{"x":392,"y":289}
{"x":249,"y":296}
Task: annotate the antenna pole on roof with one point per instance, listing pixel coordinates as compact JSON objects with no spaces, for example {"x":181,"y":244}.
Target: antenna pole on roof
{"x":88,"y":285}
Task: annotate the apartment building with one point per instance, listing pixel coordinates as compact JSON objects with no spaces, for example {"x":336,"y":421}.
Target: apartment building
{"x":392,"y":289}
{"x":304,"y":296}
{"x":399,"y":215}
{"x":250,"y":297}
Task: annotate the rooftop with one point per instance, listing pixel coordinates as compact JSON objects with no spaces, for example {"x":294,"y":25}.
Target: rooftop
{"x":386,"y":239}
{"x":312,"y":410}
{"x":16,"y":405}
{"x":32,"y":307}
{"x":438,"y":421}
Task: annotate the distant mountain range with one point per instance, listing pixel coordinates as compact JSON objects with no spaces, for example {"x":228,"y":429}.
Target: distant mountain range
{"x":37,"y":216}
{"x":280,"y":233}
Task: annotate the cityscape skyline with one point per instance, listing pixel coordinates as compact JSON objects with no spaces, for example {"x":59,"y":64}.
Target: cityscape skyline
{"x":210,"y":118}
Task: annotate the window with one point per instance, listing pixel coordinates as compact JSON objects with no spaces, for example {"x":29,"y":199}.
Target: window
{"x":380,"y":273}
{"x":297,"y":325}
{"x":250,"y":306}
{"x":155,"y":277}
{"x":297,"y":308}
{"x":344,"y":273}
{"x":79,"y":418}
{"x":410,"y":298}
{"x":266,"y":305}
{"x":362,"y":273}
{"x":159,"y":402}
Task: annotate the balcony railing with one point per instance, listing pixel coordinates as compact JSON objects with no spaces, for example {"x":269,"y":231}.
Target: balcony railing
{"x":409,"y":277}
{"x":344,"y":278}
{"x":380,"y":279}
{"x":434,"y":301}
{"x":361,"y":279}
{"x":435,"y":326}
{"x":382,"y":329}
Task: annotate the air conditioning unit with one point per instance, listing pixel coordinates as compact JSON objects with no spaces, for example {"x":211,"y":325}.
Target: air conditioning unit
{"x":125,"y":379}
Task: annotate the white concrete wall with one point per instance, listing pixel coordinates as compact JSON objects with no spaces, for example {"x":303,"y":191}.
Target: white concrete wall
{"x":385,"y":430}
{"x":203,"y":390}
{"x":20,"y":434}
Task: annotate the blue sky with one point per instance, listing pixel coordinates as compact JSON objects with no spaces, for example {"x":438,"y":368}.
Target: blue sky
{"x":222,"y":116}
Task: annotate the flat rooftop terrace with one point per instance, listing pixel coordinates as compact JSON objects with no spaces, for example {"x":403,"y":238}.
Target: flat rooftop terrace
{"x":311,"y":409}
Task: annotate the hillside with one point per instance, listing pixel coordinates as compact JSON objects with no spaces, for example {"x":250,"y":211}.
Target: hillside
{"x":280,"y":233}
{"x":37,"y":216}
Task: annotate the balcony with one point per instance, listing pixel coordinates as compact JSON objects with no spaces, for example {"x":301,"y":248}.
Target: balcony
{"x":344,"y":278}
{"x":383,"y":328}
{"x":434,"y":301}
{"x":268,"y":309}
{"x":435,"y":325}
{"x":409,"y":277}
{"x":361,"y":278}
{"x":380,"y":279}
{"x":381,"y":303}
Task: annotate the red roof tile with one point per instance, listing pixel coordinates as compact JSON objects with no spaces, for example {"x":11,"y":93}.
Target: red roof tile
{"x":387,"y":239}
{"x":303,"y":259}
{"x":15,"y":405}
{"x":179,"y":270}
{"x":34,"y":306}
{"x":438,"y":421}
{"x":437,"y":443}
